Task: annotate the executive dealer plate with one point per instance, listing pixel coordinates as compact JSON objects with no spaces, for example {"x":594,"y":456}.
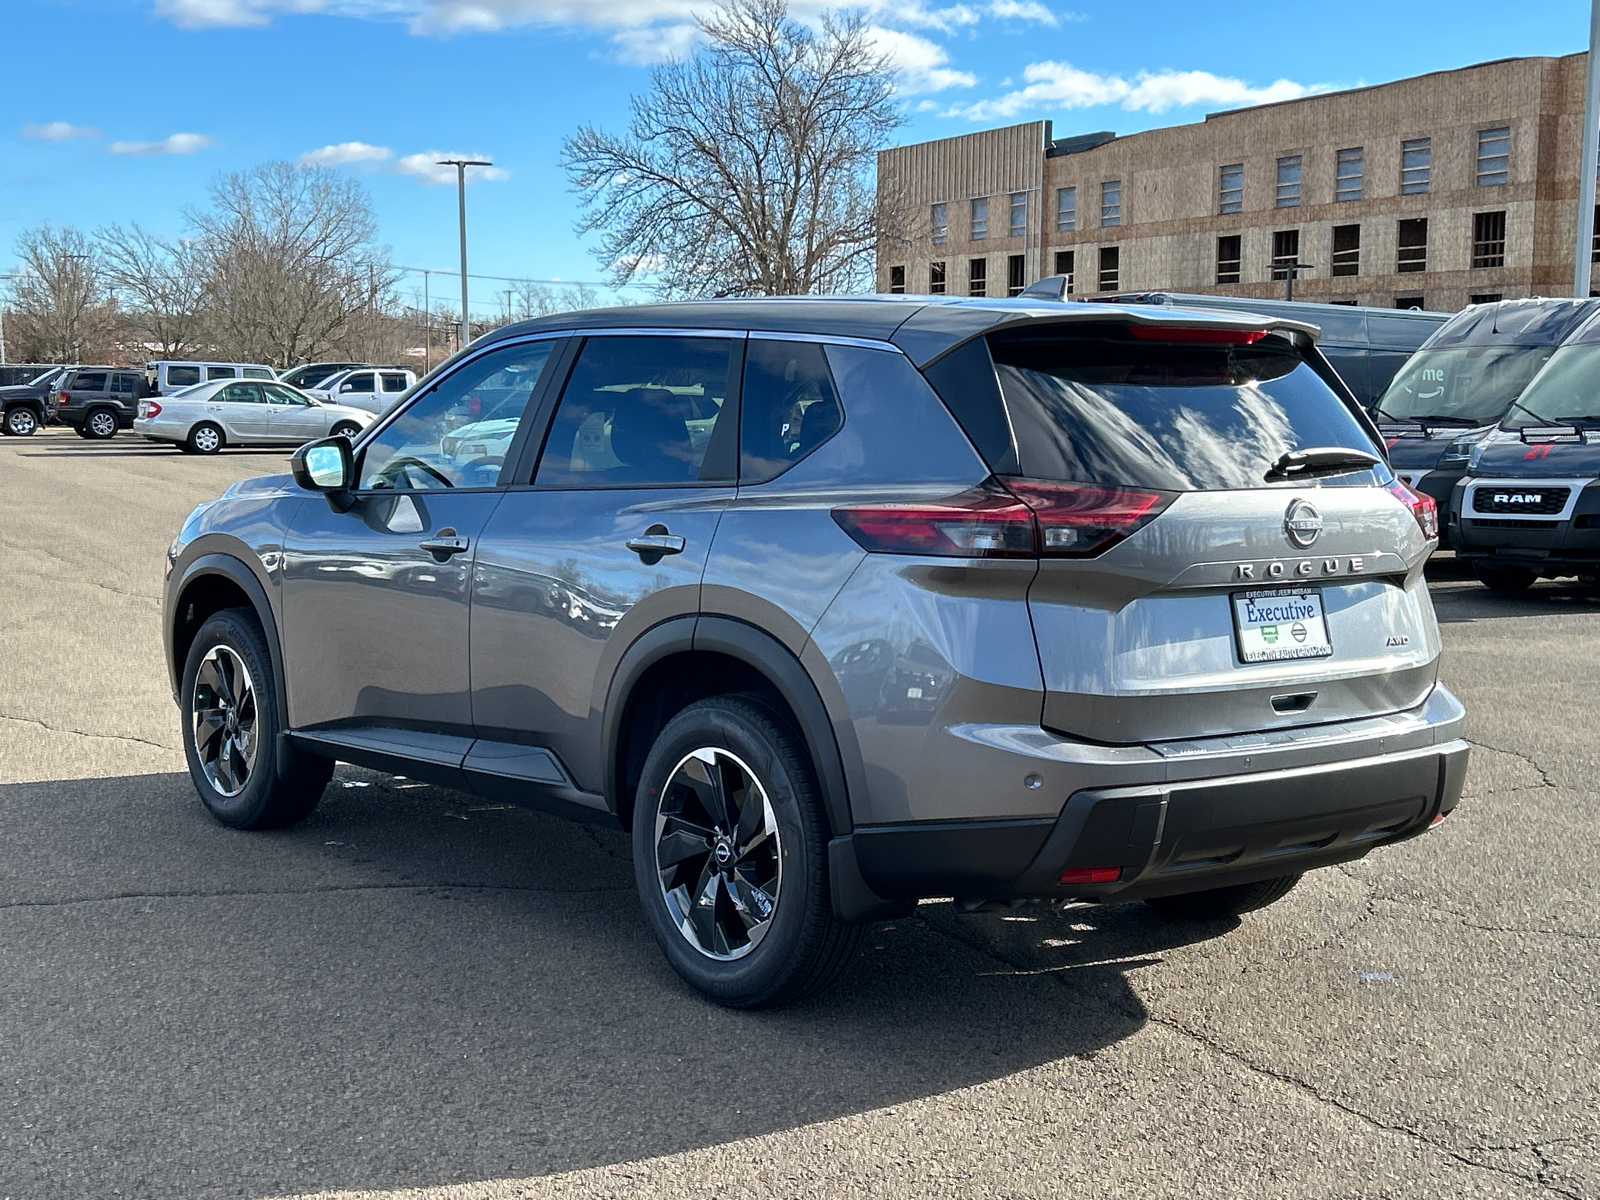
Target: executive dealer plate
{"x":1280,"y":624}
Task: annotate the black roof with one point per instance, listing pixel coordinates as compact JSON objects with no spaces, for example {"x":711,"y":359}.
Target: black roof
{"x":923,"y":326}
{"x":1537,"y":321}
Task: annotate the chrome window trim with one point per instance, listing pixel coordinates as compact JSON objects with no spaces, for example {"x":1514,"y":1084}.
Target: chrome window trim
{"x":824,"y":339}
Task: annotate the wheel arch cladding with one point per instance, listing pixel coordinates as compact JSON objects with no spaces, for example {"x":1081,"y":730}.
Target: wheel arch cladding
{"x":691,"y":658}
{"x":211,"y":583}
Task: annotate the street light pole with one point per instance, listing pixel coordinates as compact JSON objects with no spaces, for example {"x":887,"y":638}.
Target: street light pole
{"x":1289,"y":268}
{"x":427,"y":326}
{"x":1584,"y":251}
{"x":461,"y":165}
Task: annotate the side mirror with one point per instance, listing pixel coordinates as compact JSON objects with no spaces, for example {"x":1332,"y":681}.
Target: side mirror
{"x":347,"y":387}
{"x":327,"y":466}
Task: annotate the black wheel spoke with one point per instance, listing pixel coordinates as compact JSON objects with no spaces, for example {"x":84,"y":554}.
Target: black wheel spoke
{"x":679,"y":845}
{"x":223,"y":718}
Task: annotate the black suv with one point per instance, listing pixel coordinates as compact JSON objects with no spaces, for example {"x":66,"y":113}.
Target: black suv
{"x":27,"y":405}
{"x":98,"y":401}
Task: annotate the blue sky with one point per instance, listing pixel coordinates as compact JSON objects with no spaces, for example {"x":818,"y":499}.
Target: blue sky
{"x":124,"y":110}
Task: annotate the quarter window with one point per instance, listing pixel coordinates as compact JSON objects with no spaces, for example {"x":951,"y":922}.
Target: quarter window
{"x":221,"y":373}
{"x":789,"y":407}
{"x":637,"y":412}
{"x":1230,"y":189}
{"x":178,"y":377}
{"x":459,"y":431}
{"x":257,"y":373}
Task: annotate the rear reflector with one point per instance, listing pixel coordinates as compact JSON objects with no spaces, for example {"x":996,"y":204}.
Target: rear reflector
{"x":1014,"y":518}
{"x":1422,"y":508}
{"x":1091,"y":875}
{"x":1189,"y":333}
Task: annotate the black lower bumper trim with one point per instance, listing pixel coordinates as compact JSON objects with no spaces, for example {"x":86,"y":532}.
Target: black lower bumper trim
{"x":1173,"y":838}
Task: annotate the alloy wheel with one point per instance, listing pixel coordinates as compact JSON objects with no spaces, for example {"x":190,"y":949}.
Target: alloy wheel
{"x":21,"y":421}
{"x":224,"y":718}
{"x":102,"y":425}
{"x":718,"y":854}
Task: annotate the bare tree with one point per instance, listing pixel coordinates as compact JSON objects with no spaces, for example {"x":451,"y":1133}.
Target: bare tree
{"x":291,"y":269}
{"x":60,"y":311}
{"x":161,"y":285}
{"x":746,"y":169}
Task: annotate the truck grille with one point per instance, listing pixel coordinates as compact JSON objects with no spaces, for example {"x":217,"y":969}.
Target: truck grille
{"x":1530,"y":500}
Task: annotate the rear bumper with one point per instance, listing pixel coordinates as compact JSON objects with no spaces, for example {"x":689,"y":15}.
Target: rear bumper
{"x":1191,"y":834}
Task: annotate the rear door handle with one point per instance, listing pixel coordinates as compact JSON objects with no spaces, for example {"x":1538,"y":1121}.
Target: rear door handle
{"x":655,"y":542}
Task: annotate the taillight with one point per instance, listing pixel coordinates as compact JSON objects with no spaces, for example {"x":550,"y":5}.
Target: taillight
{"x":149,"y":408}
{"x":1422,"y":508}
{"x":63,"y":397}
{"x":1019,"y":518}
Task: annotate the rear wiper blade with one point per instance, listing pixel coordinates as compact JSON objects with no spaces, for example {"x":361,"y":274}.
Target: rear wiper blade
{"x":1319,"y":460}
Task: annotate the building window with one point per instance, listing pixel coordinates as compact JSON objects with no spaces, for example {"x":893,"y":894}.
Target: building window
{"x":936,"y":279}
{"x":1351,"y":168}
{"x":980,"y":219}
{"x":1289,"y":181}
{"x":1408,"y":302}
{"x":1066,"y":209}
{"x":978,"y":277}
{"x":1346,"y":250}
{"x":1016,"y":277}
{"x":941,"y":226}
{"x":1594,"y":253}
{"x":1413,"y":240}
{"x":1230,"y":189}
{"x":1489,"y":239}
{"x":897,"y":279}
{"x":1228,"y":258}
{"x":1485,"y":298}
{"x":1345,"y":303}
{"x":1111,"y":202}
{"x":1110,"y":267}
{"x":1416,"y":165}
{"x":1285,"y":250}
{"x":1494,"y":156}
{"x":1065,"y":265}
{"x":1019,"y":213}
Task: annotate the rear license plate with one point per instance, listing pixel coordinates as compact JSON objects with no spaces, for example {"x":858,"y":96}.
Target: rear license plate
{"x":1270,"y":626}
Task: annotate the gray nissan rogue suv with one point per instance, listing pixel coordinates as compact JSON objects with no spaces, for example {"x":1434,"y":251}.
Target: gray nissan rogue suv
{"x":837,"y":604}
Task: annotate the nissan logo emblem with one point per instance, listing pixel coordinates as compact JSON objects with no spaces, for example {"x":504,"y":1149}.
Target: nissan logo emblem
{"x":1302,"y":523}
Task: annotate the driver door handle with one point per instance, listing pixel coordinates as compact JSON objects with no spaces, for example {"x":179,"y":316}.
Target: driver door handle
{"x":444,"y":544}
{"x":657,"y":543}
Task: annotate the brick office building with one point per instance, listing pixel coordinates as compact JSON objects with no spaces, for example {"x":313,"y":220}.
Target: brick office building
{"x":1436,"y":191}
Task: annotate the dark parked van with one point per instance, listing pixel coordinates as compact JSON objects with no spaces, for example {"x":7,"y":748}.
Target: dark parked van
{"x":1458,"y":386}
{"x":1529,"y":504}
{"x":1365,"y":345}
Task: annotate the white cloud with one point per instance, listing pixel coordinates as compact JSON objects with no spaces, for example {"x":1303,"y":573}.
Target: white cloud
{"x":425,"y":166}
{"x":922,"y":64}
{"x":57,"y":131}
{"x":1023,"y":10}
{"x":178,"y":143}
{"x":1058,"y":85}
{"x":208,"y":14}
{"x":342,"y":153}
{"x":655,"y":44}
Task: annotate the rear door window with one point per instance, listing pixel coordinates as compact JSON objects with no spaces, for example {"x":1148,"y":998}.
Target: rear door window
{"x":393,"y":382}
{"x":89,"y":381}
{"x":221,"y":373}
{"x":639,"y":412}
{"x":788,"y":406}
{"x":123,"y":384}
{"x":1098,"y":405}
{"x":180,"y":377}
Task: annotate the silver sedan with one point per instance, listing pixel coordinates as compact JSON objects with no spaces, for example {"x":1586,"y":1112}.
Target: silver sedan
{"x":205,"y":418}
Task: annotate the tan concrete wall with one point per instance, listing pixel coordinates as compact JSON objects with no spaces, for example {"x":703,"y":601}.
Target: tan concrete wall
{"x":1170,"y":191}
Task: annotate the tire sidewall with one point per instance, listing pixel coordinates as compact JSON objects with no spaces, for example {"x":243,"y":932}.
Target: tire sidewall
{"x":741,"y":729}
{"x":240,"y":633}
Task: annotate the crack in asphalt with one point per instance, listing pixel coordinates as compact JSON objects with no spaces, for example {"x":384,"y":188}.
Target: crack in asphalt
{"x":1466,"y":919}
{"x":1173,"y":1025}
{"x":201,"y":894}
{"x":114,"y":737}
{"x":1544,"y":775}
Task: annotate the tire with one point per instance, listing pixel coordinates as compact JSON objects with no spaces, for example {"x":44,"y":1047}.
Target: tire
{"x":231,"y":725}
{"x":775,"y":860}
{"x":1504,"y":579}
{"x":347,"y":429}
{"x":1224,"y":902}
{"x":100,"y":425}
{"x":21,"y":421}
{"x":81,"y":432}
{"x":205,"y":438}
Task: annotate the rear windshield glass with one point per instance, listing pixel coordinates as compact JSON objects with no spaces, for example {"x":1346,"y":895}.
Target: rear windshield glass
{"x":1462,"y":384}
{"x":1106,"y":408}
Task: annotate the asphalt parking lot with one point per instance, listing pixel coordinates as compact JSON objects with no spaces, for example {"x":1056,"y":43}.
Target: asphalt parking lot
{"x":415,"y":990}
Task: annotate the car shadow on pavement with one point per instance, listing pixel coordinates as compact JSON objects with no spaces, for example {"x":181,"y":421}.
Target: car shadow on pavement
{"x":140,"y":449}
{"x":414,"y":987}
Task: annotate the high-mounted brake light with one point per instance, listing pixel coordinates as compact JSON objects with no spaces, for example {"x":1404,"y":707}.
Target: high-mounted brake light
{"x":1189,"y":333}
{"x":1421,"y":505}
{"x":1016,"y":518}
